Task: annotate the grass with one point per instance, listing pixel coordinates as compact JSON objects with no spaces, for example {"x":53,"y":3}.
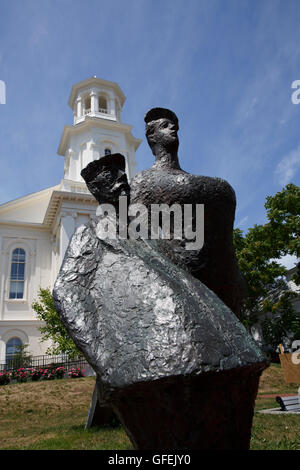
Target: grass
{"x":51,"y":415}
{"x":274,"y":432}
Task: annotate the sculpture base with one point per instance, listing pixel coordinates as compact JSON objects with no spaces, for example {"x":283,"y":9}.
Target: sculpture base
{"x":99,"y":413}
{"x":211,"y":411}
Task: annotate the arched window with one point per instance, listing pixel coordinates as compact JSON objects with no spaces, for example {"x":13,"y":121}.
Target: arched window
{"x":12,"y":346}
{"x":17,"y":274}
{"x":87,"y":105}
{"x":102,"y":105}
{"x":107,"y":151}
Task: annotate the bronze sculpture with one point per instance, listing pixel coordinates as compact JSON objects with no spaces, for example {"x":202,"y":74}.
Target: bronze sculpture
{"x":166,"y":182}
{"x":173,"y":361}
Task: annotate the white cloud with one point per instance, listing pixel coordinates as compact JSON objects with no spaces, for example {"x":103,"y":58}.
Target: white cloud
{"x":288,"y":166}
{"x":242,"y":221}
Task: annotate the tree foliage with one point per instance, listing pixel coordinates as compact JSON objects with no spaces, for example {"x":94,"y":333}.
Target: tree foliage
{"x":283,"y":227}
{"x":284,"y":321}
{"x":20,"y":358}
{"x":258,"y":252}
{"x":53,"y":328}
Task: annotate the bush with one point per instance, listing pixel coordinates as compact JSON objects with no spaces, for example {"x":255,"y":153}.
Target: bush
{"x":20,"y":375}
{"x":53,"y":373}
{"x":59,"y":372}
{"x":23,"y":375}
{"x":36,"y":374}
{"x":75,"y":372}
{"x":48,"y":374}
{"x":4,"y":377}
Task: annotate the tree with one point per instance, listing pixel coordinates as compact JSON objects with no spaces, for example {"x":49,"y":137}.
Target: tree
{"x":258,"y":252}
{"x":20,"y":358}
{"x":53,"y":329}
{"x":283,"y":211}
{"x":283,"y":323}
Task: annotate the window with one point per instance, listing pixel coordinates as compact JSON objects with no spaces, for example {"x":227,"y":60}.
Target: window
{"x":107,"y":151}
{"x":102,"y":105}
{"x":87,"y":105}
{"x":12,"y":346}
{"x":17,"y":274}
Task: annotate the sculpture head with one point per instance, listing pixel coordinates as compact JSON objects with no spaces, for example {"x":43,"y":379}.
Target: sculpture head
{"x":106,"y":178}
{"x":161,"y":130}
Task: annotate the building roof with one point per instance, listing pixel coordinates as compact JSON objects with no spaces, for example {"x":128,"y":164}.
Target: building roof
{"x":94,"y":81}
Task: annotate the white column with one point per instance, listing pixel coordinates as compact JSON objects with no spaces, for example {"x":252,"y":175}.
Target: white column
{"x":111,"y":106}
{"x":79,"y":106}
{"x":67,"y":229}
{"x":70,"y":165}
{"x":2,"y":350}
{"x":118,"y":110}
{"x":94,"y":102}
{"x":75,"y":215}
{"x":67,"y":165}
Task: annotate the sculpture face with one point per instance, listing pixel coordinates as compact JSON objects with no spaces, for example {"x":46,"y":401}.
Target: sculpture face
{"x":106,"y":179}
{"x":163,"y":132}
{"x":109,"y":184}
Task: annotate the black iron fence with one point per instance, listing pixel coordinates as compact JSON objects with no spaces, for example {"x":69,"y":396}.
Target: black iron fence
{"x":46,"y":362}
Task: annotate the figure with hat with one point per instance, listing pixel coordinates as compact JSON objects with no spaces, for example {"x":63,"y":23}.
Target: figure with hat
{"x":215,"y":264}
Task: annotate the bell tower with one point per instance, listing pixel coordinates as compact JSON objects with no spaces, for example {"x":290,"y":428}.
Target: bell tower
{"x":97,"y":130}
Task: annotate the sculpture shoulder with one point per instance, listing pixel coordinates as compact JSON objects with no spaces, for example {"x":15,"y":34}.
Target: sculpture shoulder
{"x":216,"y":185}
{"x":82,"y":240}
{"x":179,"y":182}
{"x":142,"y":177}
{"x":142,"y":183}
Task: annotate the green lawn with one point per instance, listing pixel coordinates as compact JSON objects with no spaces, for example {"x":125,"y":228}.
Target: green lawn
{"x":274,"y":432}
{"x":52,"y":414}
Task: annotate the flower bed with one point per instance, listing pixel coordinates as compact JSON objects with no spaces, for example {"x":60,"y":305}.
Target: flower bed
{"x":4,"y":377}
{"x":75,"y":372}
{"x":25,"y":374}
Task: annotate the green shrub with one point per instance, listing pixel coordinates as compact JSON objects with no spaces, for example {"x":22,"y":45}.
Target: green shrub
{"x":21,"y":375}
{"x":75,"y":372}
{"x":48,"y":374}
{"x":36,"y":374}
{"x":59,"y":372}
{"x":4,"y":377}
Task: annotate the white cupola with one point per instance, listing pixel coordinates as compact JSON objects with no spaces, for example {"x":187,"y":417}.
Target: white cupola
{"x":97,"y":130}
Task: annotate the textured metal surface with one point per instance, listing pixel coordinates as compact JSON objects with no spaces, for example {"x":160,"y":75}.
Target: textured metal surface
{"x":156,"y":321}
{"x":138,"y":317}
{"x":165,"y":182}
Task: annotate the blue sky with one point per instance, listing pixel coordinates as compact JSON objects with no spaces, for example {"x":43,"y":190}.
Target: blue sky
{"x":224,"y":66}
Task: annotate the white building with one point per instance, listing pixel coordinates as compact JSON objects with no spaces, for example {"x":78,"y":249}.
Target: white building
{"x":35,"y":229}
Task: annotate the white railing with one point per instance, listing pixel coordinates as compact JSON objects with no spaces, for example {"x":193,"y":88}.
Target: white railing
{"x":100,"y":110}
{"x":78,"y":189}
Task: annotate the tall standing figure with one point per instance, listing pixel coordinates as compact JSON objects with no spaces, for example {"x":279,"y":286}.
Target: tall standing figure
{"x":215,"y":264}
